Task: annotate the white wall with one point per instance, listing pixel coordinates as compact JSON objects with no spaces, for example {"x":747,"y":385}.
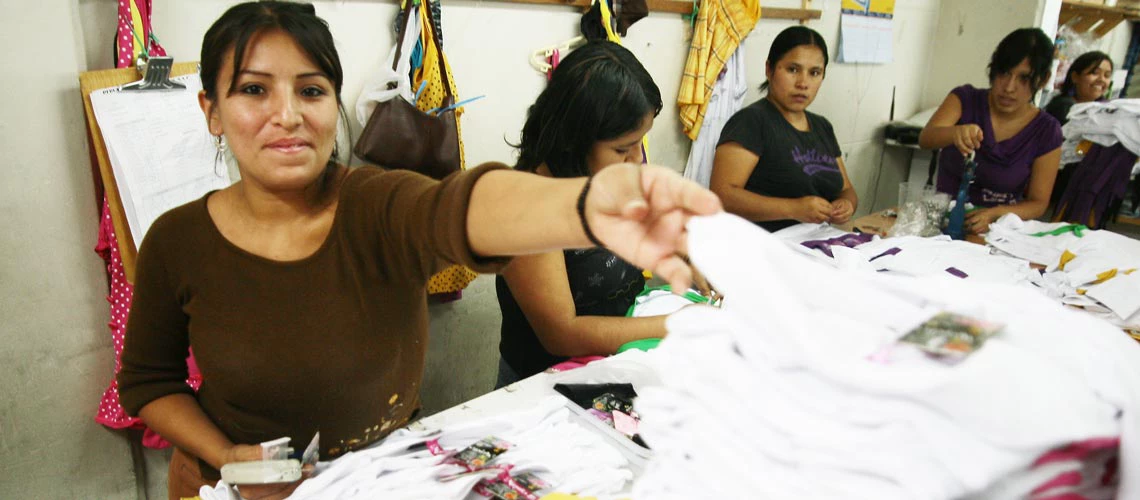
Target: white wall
{"x":56,"y":357}
{"x":487,"y":44}
{"x":968,"y":32}
{"x":55,"y":350}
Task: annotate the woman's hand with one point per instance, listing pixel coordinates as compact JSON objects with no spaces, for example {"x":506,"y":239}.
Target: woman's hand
{"x":812,"y":209}
{"x":978,"y":221}
{"x":274,"y":491}
{"x":639,"y":212}
{"x":841,"y":211}
{"x":967,"y":138}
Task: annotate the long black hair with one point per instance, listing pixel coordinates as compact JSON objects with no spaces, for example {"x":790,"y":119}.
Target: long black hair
{"x":599,"y":92}
{"x":789,"y":39}
{"x":1080,"y":65}
{"x":1025,"y":43}
{"x":232,"y":32}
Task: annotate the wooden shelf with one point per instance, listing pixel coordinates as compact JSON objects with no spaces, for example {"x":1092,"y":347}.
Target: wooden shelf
{"x":1086,"y":16}
{"x":676,"y":7}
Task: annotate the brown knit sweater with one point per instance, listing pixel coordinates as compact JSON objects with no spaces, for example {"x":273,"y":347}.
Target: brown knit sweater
{"x":334,"y":342}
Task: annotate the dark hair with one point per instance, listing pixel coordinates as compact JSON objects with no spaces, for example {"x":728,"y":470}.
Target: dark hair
{"x":1080,"y":66}
{"x":599,"y":92}
{"x":1022,"y":44}
{"x":233,"y":31}
{"x":791,"y":38}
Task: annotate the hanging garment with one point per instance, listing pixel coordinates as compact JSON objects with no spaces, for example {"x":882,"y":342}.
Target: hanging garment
{"x":720,"y":28}
{"x":1099,"y":181}
{"x":631,"y":11}
{"x":597,"y":23}
{"x":132,"y":39}
{"x":457,"y":277}
{"x":134,"y":36}
{"x":726,"y":99}
{"x":111,"y":413}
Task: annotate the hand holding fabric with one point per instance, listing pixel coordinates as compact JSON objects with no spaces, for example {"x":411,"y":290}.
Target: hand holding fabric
{"x":639,"y":212}
{"x":978,"y":221}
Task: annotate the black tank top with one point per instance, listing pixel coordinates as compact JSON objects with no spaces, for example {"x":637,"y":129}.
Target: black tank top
{"x":601,"y":283}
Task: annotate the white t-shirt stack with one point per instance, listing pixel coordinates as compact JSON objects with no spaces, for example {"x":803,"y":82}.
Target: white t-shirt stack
{"x":1105,"y":123}
{"x":798,"y":388}
{"x":1090,"y":270}
{"x":545,"y":440}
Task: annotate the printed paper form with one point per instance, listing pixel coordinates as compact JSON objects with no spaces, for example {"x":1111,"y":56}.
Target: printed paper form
{"x":160,"y":150}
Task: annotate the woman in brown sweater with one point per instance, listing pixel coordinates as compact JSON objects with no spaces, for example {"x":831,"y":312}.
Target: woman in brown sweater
{"x":301,"y":288}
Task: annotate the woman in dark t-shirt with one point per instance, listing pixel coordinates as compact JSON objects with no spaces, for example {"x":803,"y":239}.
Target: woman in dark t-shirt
{"x":1017,"y":146}
{"x":597,"y":107}
{"x":777,"y":163}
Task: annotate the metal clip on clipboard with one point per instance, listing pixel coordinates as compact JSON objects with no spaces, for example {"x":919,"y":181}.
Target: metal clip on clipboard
{"x":156,"y":75}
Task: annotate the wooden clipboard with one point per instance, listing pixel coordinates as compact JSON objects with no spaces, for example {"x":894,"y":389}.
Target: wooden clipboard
{"x":89,"y":82}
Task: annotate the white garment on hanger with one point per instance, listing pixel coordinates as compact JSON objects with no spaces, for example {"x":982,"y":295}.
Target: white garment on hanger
{"x":726,"y":99}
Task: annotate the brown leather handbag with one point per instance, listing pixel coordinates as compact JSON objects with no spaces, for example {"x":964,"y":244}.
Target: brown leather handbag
{"x":400,"y":136}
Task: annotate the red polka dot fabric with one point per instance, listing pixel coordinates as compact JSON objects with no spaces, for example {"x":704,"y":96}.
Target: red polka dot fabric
{"x":111,"y":413}
{"x":127,"y":34}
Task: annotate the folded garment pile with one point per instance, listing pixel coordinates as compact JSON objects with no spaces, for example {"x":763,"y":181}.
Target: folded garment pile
{"x":810,"y":382}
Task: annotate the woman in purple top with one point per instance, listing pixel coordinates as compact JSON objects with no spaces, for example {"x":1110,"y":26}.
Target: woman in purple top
{"x":1017,"y":146}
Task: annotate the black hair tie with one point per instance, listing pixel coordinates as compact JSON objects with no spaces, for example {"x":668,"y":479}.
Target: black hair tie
{"x":582,"y":214}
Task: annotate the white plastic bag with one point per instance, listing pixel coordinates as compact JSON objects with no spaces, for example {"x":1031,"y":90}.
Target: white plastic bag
{"x":376,"y":89}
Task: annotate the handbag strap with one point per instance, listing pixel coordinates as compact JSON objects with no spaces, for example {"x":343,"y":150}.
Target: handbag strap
{"x":407,"y":11}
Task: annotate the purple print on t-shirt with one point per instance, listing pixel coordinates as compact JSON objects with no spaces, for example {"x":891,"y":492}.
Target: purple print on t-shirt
{"x":813,"y":162}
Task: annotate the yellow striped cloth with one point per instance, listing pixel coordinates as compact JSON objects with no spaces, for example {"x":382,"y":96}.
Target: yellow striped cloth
{"x":720,"y":27}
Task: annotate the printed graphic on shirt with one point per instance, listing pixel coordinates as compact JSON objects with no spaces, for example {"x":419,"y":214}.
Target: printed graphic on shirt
{"x":991,"y":197}
{"x":813,"y":162}
{"x":952,"y":336}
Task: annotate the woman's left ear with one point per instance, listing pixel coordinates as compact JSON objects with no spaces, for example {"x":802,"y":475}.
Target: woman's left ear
{"x":208,"y":110}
